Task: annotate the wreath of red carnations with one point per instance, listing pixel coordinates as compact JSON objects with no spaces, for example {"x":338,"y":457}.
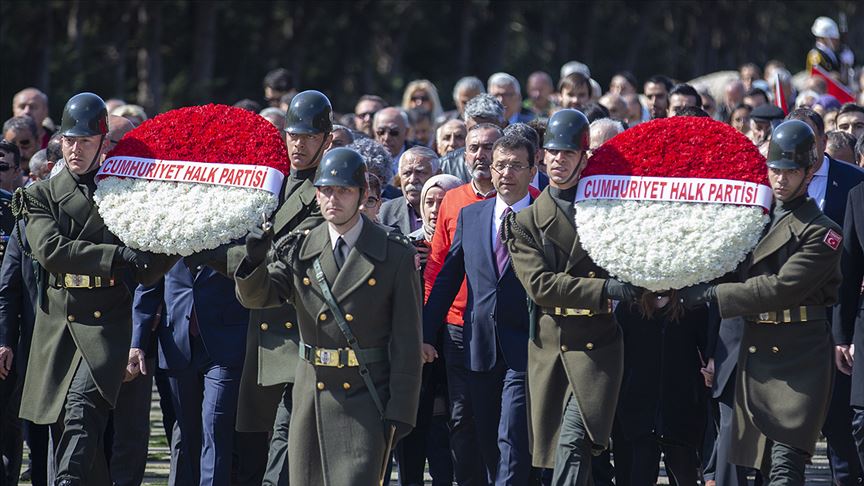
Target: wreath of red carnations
{"x":690,"y":226}
{"x":192,"y":179}
{"x":697,"y":147}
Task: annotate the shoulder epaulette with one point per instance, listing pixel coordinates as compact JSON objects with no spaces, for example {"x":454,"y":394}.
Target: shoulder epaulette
{"x":399,"y":237}
{"x":287,"y":245}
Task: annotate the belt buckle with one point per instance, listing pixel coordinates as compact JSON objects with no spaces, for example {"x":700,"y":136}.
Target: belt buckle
{"x":766,"y":318}
{"x":352,"y":358}
{"x":73,"y":281}
{"x":326,"y":357}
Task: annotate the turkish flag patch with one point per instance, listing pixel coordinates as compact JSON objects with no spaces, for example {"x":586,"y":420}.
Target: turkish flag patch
{"x":833,"y":239}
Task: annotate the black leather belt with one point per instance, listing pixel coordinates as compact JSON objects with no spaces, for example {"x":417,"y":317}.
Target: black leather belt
{"x":341,"y":357}
{"x":74,"y":281}
{"x":796,"y":314}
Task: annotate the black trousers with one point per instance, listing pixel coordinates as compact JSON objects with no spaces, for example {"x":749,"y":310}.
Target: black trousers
{"x":573,"y":454}
{"x":637,"y":461}
{"x":276,"y":473}
{"x":80,"y":452}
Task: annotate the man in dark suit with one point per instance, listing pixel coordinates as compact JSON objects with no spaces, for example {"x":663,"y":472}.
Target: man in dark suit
{"x":17,"y":317}
{"x":848,"y":316}
{"x":416,"y":166}
{"x":496,"y":319}
{"x":202,"y":341}
{"x":830,"y":188}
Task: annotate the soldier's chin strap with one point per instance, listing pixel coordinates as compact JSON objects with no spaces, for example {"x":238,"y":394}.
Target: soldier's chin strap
{"x":576,"y":170}
{"x":96,"y":156}
{"x":320,"y":147}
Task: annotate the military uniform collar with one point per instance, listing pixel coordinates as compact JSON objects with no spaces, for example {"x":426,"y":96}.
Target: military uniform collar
{"x":558,"y":228}
{"x":350,"y":236}
{"x":372,"y":241}
{"x":793,"y":223}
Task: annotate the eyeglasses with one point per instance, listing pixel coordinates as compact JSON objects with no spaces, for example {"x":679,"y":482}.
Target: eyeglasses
{"x":420,"y":98}
{"x":23,"y":143}
{"x":368,"y":114}
{"x":500,"y":168}
{"x":393,"y":132}
{"x":371,"y":201}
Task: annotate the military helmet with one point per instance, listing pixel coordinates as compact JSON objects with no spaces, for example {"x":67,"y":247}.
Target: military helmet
{"x":309,"y":114}
{"x":567,"y":130}
{"x":84,"y":115}
{"x":341,"y":167}
{"x":791,"y":146}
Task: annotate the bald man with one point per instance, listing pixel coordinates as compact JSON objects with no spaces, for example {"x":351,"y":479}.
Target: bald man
{"x":33,"y":103}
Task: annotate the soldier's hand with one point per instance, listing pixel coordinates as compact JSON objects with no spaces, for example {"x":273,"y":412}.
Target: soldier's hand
{"x":697,"y":295}
{"x":621,"y":291}
{"x":136,"y":364}
{"x":6,"y":356}
{"x":137,"y":259}
{"x":843,"y":358}
{"x":430,"y":354}
{"x":258,"y":243}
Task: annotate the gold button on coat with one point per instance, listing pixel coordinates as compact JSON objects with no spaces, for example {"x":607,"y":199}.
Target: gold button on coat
{"x":322,"y":317}
{"x":372,"y":282}
{"x":775,"y":349}
{"x":288,"y":325}
{"x":306,"y":281}
{"x":264,"y":326}
{"x":320,"y":385}
{"x":70,"y":318}
{"x":563,"y":348}
{"x":752,"y":349}
{"x":346,"y":385}
{"x":97,"y":314}
{"x":349,"y":317}
{"x":589,"y":346}
{"x":591,"y":274}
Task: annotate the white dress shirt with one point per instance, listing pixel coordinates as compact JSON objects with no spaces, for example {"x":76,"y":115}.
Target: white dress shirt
{"x":819,"y":185}
{"x":500,"y":206}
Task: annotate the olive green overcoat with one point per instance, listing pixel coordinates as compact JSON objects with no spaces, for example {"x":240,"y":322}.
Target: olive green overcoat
{"x":337,"y":436}
{"x":785,"y":371}
{"x":76,"y":326}
{"x":576,"y":354}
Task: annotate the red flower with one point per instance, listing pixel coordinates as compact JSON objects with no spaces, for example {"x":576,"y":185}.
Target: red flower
{"x":680,"y":146}
{"x":209,"y":133}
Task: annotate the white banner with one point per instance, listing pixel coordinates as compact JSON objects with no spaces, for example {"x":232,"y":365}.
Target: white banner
{"x":233,"y":175}
{"x":718,"y":191}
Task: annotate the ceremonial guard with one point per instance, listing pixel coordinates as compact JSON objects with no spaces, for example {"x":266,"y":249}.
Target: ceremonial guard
{"x":575,"y":359}
{"x":84,"y":309}
{"x":271,"y":340}
{"x":785,"y":364}
{"x":358,"y":300}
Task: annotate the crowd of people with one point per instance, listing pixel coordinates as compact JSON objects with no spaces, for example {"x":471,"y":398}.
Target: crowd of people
{"x":510,"y":359}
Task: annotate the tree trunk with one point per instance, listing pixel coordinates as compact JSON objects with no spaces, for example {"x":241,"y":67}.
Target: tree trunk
{"x":204,"y":51}
{"x":150,"y":57}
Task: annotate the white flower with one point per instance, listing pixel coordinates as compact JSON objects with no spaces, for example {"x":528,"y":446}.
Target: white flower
{"x":667,"y":245}
{"x":179,"y":217}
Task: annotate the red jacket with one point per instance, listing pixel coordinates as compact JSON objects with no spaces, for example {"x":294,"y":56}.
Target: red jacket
{"x":445,"y":228}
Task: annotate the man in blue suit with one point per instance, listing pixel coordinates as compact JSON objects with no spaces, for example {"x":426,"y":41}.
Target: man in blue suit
{"x":496,"y":319}
{"x":202,"y":336}
{"x":830,"y":188}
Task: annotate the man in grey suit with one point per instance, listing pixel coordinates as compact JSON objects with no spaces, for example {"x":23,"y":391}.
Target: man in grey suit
{"x":416,"y":166}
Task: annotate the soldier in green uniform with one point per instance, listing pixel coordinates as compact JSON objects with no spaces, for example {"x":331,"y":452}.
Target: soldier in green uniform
{"x":271,"y":342}
{"x":357,"y":294}
{"x":84,"y":316}
{"x":785,"y":366}
{"x":575,"y":360}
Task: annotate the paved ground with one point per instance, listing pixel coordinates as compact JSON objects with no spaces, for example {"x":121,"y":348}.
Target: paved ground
{"x":158,"y":460}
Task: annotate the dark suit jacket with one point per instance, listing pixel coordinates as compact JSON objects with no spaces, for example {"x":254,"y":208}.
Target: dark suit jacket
{"x":396,"y":213}
{"x":842,"y":177}
{"x":17,"y":299}
{"x":497,"y":312}
{"x":222,"y":321}
{"x":848,"y":323}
